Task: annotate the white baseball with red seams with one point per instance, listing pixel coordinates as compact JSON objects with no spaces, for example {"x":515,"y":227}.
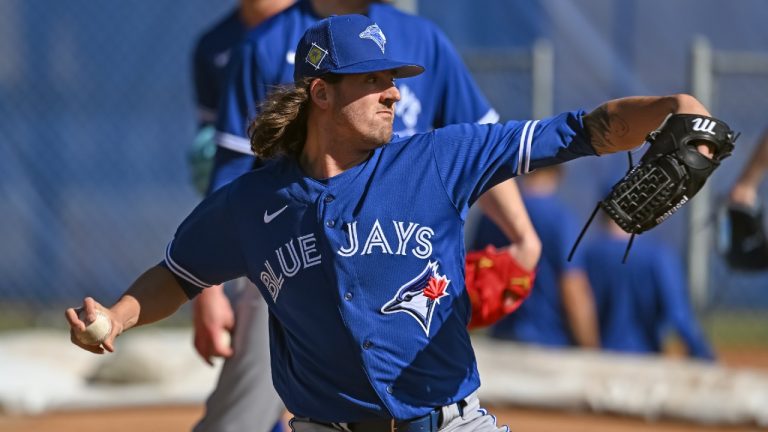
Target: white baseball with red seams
{"x":96,"y":331}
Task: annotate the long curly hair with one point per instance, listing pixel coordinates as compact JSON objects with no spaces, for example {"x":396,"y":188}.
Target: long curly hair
{"x":281,"y":126}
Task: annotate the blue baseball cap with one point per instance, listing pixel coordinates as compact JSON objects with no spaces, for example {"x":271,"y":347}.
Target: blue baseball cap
{"x":346,"y":44}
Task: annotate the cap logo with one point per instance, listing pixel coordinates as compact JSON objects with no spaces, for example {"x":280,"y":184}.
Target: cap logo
{"x":374,"y":33}
{"x":316,"y":55}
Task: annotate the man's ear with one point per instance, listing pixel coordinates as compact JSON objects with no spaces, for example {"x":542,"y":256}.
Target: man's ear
{"x":320,"y":92}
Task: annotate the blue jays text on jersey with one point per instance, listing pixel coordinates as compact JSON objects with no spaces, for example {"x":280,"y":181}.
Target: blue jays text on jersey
{"x":301,"y":252}
{"x":444,"y":94}
{"x":370,"y":317}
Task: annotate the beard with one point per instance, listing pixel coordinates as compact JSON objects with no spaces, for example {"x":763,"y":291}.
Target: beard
{"x":371,"y":137}
{"x":379,"y":138}
{"x":364,"y":130}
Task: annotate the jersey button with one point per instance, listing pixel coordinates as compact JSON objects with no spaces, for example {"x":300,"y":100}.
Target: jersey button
{"x":367,"y":344}
{"x":329,"y":198}
{"x":330,"y":223}
{"x":348,"y":296}
{"x":390,"y":390}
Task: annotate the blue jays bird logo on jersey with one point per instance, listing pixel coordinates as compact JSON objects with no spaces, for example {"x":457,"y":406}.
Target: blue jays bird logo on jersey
{"x":419,"y":297}
{"x":374,"y":33}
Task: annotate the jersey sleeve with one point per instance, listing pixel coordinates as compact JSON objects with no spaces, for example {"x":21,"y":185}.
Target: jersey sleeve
{"x":463,"y":101}
{"x":243,"y":91}
{"x":676,"y":307}
{"x":473,"y":158}
{"x":205,"y":251}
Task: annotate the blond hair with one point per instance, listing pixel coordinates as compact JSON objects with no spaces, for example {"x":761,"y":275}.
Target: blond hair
{"x":281,"y":126}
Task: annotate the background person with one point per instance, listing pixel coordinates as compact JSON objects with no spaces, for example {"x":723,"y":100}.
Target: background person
{"x":231,"y":406}
{"x":560,"y":309}
{"x":446,"y":93}
{"x":642,"y":302}
{"x":742,"y":235}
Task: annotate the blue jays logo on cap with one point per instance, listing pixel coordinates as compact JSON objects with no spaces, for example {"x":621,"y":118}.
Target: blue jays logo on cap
{"x":419,"y":297}
{"x":341,"y":44}
{"x":374,"y":33}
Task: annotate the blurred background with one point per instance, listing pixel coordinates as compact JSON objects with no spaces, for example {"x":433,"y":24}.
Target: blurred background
{"x":97,"y":115}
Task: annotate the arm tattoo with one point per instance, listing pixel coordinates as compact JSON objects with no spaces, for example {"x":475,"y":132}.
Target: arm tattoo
{"x":604,"y":128}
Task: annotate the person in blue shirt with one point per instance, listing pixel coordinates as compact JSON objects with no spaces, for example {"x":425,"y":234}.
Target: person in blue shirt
{"x":560,"y":310}
{"x":444,"y":94}
{"x":641,"y":302}
{"x":744,"y":190}
{"x":742,"y":237}
{"x":210,"y":58}
{"x":231,"y":405}
{"x":355,"y":238}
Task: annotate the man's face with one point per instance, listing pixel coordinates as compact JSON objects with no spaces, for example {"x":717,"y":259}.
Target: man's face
{"x":364,"y":108}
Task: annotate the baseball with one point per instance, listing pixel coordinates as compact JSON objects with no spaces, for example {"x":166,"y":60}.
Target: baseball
{"x":95,"y":332}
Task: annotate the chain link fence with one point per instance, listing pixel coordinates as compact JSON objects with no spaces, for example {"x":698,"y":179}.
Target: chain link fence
{"x":96,"y":114}
{"x":737,"y":302}
{"x":604,"y":50}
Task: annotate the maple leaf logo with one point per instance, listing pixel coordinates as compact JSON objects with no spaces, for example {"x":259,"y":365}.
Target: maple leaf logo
{"x":436,"y":288}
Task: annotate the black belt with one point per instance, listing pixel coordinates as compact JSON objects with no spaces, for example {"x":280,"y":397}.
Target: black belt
{"x":430,"y":422}
{"x":427,"y":423}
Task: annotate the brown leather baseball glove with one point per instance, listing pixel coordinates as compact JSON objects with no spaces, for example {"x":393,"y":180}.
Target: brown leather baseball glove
{"x":496,"y":283}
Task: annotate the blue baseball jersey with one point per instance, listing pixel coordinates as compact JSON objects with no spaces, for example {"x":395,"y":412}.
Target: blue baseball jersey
{"x":364,"y":275}
{"x":640,"y":301}
{"x":209,"y":64}
{"x":541,"y":318}
{"x":444,"y":94}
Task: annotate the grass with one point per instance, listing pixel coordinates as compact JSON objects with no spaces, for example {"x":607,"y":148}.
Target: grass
{"x":737,"y":328}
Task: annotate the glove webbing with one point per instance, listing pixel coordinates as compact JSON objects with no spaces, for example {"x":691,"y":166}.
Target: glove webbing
{"x":592,"y":217}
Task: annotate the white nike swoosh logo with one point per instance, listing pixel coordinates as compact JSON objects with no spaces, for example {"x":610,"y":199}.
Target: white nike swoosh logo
{"x":269,"y":217}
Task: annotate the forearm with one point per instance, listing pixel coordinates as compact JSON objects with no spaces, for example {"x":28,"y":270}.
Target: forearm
{"x":504,"y":206}
{"x":579,"y":306}
{"x":693,"y":337}
{"x":745,"y":189}
{"x":213,"y":317}
{"x":623,"y":124}
{"x":153,"y":296}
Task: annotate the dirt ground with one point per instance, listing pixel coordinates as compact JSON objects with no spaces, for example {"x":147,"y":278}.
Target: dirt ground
{"x":754,"y":358}
{"x":171,"y":419}
{"x":181,"y":418}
